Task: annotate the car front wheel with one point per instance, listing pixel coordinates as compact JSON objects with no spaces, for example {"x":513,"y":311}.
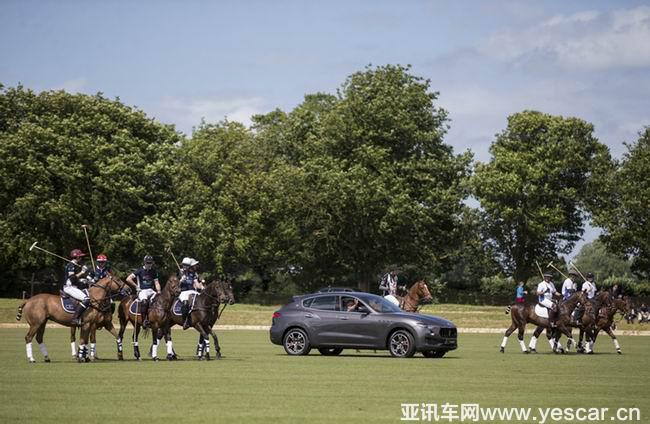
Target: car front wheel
{"x":330,"y":351}
{"x":401,"y":344}
{"x":296,"y":342}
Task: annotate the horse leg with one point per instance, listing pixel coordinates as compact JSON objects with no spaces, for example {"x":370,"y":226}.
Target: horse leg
{"x":154,"y":340}
{"x":73,"y":342}
{"x":614,"y":340}
{"x":111,"y":329}
{"x":93,"y":345}
{"x":120,"y":335}
{"x":200,"y":345}
{"x":520,"y":337}
{"x":532,"y":346}
{"x":136,"y":335}
{"x":509,"y":331}
{"x":33,"y":328}
{"x":217,"y":348}
{"x":171,"y":355}
{"x":84,"y":333}
{"x":206,"y":338}
{"x":41,"y":345}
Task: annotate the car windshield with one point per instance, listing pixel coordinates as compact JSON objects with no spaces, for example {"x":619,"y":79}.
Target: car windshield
{"x":379,"y":304}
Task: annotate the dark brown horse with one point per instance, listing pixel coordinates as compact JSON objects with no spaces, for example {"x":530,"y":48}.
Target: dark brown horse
{"x":522,"y":314}
{"x":44,"y":307}
{"x":604,"y":321}
{"x":229,"y":299}
{"x":592,"y":310}
{"x":416,"y":296}
{"x":202,"y":315}
{"x":157,"y":314}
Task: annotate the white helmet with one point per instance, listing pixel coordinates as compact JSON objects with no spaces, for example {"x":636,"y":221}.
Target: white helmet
{"x":187,"y":261}
{"x":193,"y":262}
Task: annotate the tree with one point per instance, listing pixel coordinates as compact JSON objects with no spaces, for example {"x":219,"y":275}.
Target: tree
{"x":594,"y":257}
{"x":534,"y":189}
{"x":67,"y":160}
{"x":623,"y":210}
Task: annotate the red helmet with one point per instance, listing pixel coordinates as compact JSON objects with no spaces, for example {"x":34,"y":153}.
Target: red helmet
{"x":101,"y":258}
{"x":76,"y":253}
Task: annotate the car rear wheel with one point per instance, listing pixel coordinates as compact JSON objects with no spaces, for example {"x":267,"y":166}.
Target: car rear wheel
{"x":434,"y":353}
{"x":330,"y":351}
{"x":296,"y":342}
{"x":401,"y":344}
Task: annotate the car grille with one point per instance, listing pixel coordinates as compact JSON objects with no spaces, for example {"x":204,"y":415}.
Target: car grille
{"x":448,"y":332}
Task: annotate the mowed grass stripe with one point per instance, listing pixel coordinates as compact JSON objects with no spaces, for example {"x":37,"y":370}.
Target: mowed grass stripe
{"x":257,"y":382}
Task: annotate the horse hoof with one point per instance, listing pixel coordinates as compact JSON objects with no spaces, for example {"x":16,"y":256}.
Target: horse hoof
{"x":502,"y":350}
{"x":526,"y":351}
{"x":156,"y":359}
{"x":591,"y":352}
{"x":533,"y":351}
{"x":32,"y":360}
{"x":170,"y":357}
{"x":619,"y":352}
{"x":47,"y":358}
{"x":120,"y":357}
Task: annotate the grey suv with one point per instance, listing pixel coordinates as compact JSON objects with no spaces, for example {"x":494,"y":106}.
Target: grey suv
{"x":335,"y":321}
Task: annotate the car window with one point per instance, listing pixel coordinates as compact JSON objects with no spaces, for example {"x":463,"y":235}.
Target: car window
{"x":382,"y":305}
{"x":324,"y":303}
{"x":307,"y":302}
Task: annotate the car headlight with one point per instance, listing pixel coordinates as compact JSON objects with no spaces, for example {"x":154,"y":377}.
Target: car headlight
{"x":431,"y":328}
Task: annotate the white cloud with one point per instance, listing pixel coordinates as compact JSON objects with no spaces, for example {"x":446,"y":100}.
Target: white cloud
{"x":188,"y":113}
{"x":584,"y":40}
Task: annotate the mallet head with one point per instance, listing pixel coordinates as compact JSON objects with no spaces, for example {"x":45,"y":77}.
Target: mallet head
{"x":33,"y":246}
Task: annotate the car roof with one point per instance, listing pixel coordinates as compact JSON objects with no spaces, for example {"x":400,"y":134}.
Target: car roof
{"x":335,"y":289}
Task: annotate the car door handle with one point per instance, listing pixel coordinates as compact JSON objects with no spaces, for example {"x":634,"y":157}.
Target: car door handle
{"x":309,"y":315}
{"x":344,"y":318}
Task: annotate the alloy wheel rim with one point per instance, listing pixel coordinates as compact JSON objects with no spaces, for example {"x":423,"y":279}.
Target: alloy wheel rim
{"x":295,"y":342}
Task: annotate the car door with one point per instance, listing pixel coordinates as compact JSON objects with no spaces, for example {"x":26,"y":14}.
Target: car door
{"x":321,"y":318}
{"x":359,"y":326}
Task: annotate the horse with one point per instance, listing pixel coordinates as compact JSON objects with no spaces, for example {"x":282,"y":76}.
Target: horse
{"x":416,"y":296}
{"x":202,"y":315}
{"x":230,"y":300}
{"x":522,"y":314}
{"x":157,"y":313}
{"x":592,"y":309}
{"x":605,"y":320}
{"x":44,"y":307}
{"x":106,"y":322}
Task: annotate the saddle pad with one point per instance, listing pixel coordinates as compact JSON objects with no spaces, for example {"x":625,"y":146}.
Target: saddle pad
{"x":541,"y":311}
{"x":132,"y":308}
{"x":176,"y":309}
{"x":69,"y":304}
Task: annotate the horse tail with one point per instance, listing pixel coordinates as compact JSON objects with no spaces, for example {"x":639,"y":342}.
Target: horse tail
{"x":508,"y":308}
{"x":19,"y":315}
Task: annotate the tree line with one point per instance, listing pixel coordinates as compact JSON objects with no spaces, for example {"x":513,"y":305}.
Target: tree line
{"x":336,"y":191}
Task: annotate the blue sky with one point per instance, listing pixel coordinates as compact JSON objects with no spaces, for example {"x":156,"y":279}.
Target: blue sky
{"x":184,"y":61}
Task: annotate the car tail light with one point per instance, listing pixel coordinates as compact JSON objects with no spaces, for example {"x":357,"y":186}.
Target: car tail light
{"x":276,"y":315}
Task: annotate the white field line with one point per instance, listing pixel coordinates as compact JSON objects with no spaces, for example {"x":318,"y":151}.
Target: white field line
{"x":461,"y":330}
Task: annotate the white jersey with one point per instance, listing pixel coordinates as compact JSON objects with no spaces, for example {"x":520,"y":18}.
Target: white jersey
{"x":589,"y":287}
{"x":568,"y":288}
{"x":547,"y":289}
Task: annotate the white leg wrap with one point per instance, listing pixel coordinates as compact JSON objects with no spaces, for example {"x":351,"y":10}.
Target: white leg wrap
{"x":616,"y":345}
{"x":170,"y":350}
{"x":93,"y":350}
{"x":73,"y":348}
{"x":591,"y":345}
{"x":505,"y":340}
{"x":30,"y":354}
{"x":533,"y":342}
{"x":154,"y":350}
{"x":135,"y":343}
{"x":550,"y":341}
{"x":523,"y":345}
{"x":43,"y":349}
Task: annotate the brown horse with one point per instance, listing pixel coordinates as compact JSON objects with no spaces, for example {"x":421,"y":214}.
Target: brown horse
{"x":416,"y":296}
{"x":44,"y":307}
{"x":202,"y":315}
{"x":106,"y":322}
{"x":522,"y":314}
{"x":229,"y":299}
{"x":592,"y":310}
{"x":156,"y":313}
{"x":605,"y":319}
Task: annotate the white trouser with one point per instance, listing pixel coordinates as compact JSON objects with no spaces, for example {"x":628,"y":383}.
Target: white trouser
{"x":547,"y":302}
{"x":74,"y":292}
{"x":185,"y":295}
{"x":145,"y":294}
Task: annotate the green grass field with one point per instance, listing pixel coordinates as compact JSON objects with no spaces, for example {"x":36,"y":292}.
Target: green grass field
{"x":257,"y":382}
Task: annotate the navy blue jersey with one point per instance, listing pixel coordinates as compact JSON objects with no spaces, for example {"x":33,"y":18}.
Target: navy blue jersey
{"x":187,"y":280}
{"x":102,"y":272}
{"x":70,"y":270}
{"x":146,"y":278}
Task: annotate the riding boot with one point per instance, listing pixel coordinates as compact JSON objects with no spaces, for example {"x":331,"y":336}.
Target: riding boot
{"x":76,"y":319}
{"x":186,"y":315}
{"x":144,"y":305}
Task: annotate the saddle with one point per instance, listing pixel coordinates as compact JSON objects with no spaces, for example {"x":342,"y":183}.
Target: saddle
{"x":69,"y":304}
{"x":178,"y":305}
{"x":541,"y":311}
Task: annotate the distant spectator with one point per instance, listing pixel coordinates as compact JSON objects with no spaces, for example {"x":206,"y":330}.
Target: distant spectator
{"x":520,"y":293}
{"x":644,"y":312}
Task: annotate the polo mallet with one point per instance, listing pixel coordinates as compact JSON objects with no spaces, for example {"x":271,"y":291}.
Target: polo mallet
{"x":34,"y":246}
{"x":540,"y":270}
{"x":174,"y":257}
{"x":576,"y":268}
{"x":550,"y":265}
{"x":90,"y":252}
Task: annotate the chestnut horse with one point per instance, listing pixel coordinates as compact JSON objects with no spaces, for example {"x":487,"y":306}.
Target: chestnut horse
{"x":416,"y":296}
{"x":107,"y":323}
{"x":157,"y":313}
{"x":201,"y":347}
{"x":522,"y":314}
{"x":44,"y":307}
{"x":203,"y":314}
{"x":604,"y":322}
